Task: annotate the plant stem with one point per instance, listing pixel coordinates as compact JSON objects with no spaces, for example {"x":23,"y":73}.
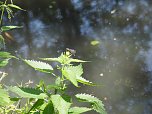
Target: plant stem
{"x":1,"y":19}
{"x":5,"y":2}
{"x":2,"y":13}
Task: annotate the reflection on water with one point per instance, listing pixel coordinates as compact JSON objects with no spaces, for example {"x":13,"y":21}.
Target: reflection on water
{"x":121,"y":62}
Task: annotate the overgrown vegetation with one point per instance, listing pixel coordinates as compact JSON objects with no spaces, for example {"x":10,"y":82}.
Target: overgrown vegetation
{"x":43,"y":98}
{"x":51,"y":98}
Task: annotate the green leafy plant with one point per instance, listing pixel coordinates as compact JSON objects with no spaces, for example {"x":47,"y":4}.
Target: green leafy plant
{"x":51,"y":98}
{"x":43,"y":98}
{"x":6,"y":102}
{"x":7,"y":6}
{"x":4,"y":58}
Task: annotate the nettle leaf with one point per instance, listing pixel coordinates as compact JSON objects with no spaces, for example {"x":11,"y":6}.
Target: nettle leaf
{"x":15,"y":6}
{"x":6,"y":55}
{"x":6,"y":28}
{"x":78,"y":110}
{"x":4,"y":98}
{"x":70,"y":76}
{"x":28,"y":92}
{"x":36,"y":105}
{"x":96,"y":104}
{"x":4,"y":58}
{"x":40,"y":66}
{"x":60,"y":104}
{"x":3,"y":62}
{"x":84,"y":81}
{"x":49,"y":109}
{"x":72,"y":72}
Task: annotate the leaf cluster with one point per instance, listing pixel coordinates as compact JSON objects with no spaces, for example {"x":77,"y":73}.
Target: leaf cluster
{"x":44,"y":99}
{"x":51,"y":98}
{"x":7,"y":7}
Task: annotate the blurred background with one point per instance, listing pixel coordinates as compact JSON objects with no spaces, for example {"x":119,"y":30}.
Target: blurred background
{"x":116,"y":35}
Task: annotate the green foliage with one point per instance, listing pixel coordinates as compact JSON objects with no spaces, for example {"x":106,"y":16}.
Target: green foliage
{"x":28,"y":92}
{"x":44,"y":99}
{"x":64,"y":59}
{"x":6,"y":55}
{"x":51,"y":98}
{"x":40,"y":66}
{"x":74,"y":74}
{"x":36,"y":105}
{"x":4,"y":58}
{"x":8,"y":7}
{"x":4,"y":98}
{"x":15,"y":7}
{"x":3,"y":62}
{"x":49,"y":109}
{"x":7,"y":28}
{"x":61,"y":106}
{"x":78,"y":110}
{"x":70,"y":73}
{"x":84,"y":81}
{"x":96,"y":104}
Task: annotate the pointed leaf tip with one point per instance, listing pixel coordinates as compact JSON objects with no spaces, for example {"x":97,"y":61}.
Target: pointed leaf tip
{"x":40,"y":66}
{"x":96,"y":104}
